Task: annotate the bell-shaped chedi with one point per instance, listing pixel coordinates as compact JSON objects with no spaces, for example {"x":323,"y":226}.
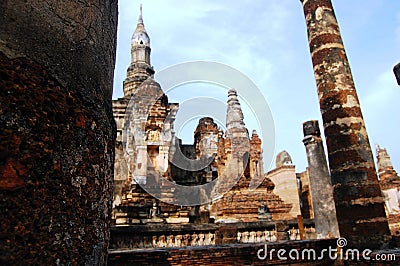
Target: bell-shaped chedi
{"x":285,"y":180}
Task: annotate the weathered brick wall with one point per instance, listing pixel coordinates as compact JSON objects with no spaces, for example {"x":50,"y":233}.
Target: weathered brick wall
{"x":243,"y":254}
{"x":159,"y":235}
{"x":246,"y":254}
{"x":57,"y":131}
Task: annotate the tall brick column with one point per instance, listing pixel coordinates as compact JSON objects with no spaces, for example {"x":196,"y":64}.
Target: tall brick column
{"x":56,"y":131}
{"x":326,"y":225}
{"x":359,"y":204}
{"x":396,"y":71}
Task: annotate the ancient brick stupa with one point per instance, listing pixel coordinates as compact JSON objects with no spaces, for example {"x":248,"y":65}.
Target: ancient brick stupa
{"x":235,"y":157}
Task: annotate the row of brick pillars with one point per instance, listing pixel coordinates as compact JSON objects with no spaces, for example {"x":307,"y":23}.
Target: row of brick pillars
{"x":359,"y":203}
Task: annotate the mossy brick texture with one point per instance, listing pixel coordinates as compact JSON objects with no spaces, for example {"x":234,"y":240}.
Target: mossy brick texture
{"x":57,"y":131}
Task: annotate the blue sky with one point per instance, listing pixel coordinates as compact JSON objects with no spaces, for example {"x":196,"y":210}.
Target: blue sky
{"x":267,"y":41}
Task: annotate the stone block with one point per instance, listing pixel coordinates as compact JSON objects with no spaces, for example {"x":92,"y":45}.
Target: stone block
{"x":179,"y":220}
{"x":121,"y":221}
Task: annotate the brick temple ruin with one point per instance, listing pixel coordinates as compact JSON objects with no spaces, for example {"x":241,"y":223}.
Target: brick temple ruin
{"x":60,"y":148}
{"x":390,"y":186}
{"x":268,"y":214}
{"x":193,"y":225}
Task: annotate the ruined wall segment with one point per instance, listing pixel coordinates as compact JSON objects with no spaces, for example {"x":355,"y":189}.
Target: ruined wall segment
{"x":305,"y":195}
{"x":57,"y":139}
{"x":389,"y":181}
{"x":358,"y":199}
{"x":388,"y":177}
{"x":206,"y":138}
{"x":237,"y":254}
{"x":256,"y":165}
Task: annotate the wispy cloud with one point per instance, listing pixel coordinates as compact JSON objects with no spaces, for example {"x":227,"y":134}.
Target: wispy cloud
{"x":267,"y":41}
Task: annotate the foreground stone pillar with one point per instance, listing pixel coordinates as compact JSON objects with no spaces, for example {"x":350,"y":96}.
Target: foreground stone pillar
{"x":57,"y":131}
{"x":359,"y":204}
{"x":396,"y":71}
{"x":320,"y":182}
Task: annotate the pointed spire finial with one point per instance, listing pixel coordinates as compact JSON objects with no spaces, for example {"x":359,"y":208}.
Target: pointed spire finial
{"x":234,"y":115}
{"x":140,"y":36}
{"x":141,"y":15}
{"x":140,"y":24}
{"x":377,"y":147}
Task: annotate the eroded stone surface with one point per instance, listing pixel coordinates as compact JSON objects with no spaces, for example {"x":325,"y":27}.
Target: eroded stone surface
{"x":57,"y":137}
